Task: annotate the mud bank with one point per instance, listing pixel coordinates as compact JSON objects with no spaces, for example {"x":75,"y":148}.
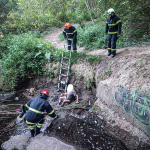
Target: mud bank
{"x":98,"y":115}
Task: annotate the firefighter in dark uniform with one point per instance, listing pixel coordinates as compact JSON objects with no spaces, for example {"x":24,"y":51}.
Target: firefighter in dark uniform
{"x":113,"y":28}
{"x":35,"y":111}
{"x":70,"y":34}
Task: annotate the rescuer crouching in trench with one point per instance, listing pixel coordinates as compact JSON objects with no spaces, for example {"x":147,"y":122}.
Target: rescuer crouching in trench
{"x":35,"y":111}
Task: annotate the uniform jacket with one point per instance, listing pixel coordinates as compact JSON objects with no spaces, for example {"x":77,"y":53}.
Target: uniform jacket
{"x":113,"y":25}
{"x":70,"y":33}
{"x":36,"y":107}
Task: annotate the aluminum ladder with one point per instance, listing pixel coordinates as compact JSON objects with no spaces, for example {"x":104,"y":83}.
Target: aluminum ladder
{"x":64,"y":71}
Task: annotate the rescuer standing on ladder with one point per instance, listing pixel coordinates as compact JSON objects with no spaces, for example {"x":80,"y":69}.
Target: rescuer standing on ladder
{"x":113,"y":28}
{"x":70,"y":34}
{"x":35,"y":111}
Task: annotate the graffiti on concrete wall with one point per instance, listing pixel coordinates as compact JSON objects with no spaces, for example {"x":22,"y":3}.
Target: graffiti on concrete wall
{"x":136,"y":104}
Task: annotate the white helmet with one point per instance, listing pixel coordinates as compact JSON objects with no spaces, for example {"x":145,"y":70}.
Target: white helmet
{"x":111,"y":10}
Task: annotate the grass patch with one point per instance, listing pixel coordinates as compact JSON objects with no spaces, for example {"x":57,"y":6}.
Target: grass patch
{"x":93,"y":59}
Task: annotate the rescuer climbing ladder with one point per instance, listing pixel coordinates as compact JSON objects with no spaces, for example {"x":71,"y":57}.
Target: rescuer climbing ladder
{"x":64,"y":70}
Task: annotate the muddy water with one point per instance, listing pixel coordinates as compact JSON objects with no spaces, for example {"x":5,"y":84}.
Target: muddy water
{"x":6,"y":127}
{"x":8,"y":117}
{"x":84,"y":134}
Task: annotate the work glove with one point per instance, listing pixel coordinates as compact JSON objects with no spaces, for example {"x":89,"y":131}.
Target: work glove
{"x":23,"y":111}
{"x":66,"y":39}
{"x":19,"y":120}
{"x":71,"y":40}
{"x":58,"y":116}
{"x":45,"y":113}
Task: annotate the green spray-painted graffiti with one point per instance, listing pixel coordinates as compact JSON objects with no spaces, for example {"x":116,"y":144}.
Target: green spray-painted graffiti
{"x":136,"y":104}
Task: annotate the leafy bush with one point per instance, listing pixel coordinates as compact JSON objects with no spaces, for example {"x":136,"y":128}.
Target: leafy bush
{"x":26,"y":55}
{"x":92,"y":36}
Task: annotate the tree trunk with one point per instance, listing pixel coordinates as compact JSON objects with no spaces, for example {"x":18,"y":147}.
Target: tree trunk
{"x":89,"y":10}
{"x":94,"y":6}
{"x":57,"y":15}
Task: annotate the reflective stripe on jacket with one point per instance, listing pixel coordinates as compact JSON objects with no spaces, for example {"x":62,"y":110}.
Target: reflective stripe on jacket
{"x":113,"y":25}
{"x":36,"y":108}
{"x":70,"y":33}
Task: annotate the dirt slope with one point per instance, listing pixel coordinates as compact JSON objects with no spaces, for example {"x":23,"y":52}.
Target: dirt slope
{"x":130,"y":66}
{"x":116,"y":78}
{"x":136,"y":51}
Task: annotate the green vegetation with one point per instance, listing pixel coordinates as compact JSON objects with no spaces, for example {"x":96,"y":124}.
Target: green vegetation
{"x":24,"y":56}
{"x":93,"y":59}
{"x":80,"y":77}
{"x":23,"y":24}
{"x":108,"y":70}
{"x":75,"y":57}
{"x":90,"y":83}
{"x":100,"y":78}
{"x":141,"y":61}
{"x":92,"y":37}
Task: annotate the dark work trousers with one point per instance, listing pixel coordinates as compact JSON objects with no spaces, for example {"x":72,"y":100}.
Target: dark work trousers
{"x":35,"y":127}
{"x":74,"y":44}
{"x":112,"y":39}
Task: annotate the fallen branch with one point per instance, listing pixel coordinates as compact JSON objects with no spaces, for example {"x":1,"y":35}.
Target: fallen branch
{"x":7,"y":112}
{"x":4,"y":117}
{"x":77,"y":108}
{"x":5,"y":101}
{"x":12,"y":104}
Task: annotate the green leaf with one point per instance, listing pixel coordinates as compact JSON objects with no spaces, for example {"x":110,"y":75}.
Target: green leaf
{"x":37,"y":54}
{"x":48,"y":55}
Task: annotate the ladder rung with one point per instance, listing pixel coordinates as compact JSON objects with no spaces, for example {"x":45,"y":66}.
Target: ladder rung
{"x":65,"y":64}
{"x":62,"y":82}
{"x":62,"y":89}
{"x":69,"y":51}
{"x":65,"y":68}
{"x":66,"y":57}
{"x":63,"y":75}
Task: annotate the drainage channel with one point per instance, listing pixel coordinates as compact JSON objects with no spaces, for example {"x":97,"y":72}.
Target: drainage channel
{"x":83,"y":134}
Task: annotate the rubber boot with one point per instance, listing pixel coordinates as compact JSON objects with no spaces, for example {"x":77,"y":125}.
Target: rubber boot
{"x":32,"y":133}
{"x":74,"y":51}
{"x":113,"y":53}
{"x":37,"y":130}
{"x":109,"y":52}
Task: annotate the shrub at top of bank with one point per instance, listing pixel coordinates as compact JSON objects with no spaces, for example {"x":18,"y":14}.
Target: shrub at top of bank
{"x":23,"y":56}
